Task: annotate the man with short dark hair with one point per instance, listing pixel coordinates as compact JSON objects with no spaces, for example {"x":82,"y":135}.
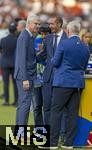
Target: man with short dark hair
{"x":51,"y":42}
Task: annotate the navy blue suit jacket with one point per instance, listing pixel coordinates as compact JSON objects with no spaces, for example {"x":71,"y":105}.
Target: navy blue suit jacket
{"x":8,"y":46}
{"x":25,"y":64}
{"x":48,"y":72}
{"x":70,"y":60}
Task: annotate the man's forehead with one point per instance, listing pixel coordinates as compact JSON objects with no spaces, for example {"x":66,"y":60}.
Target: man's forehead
{"x":36,"y":21}
{"x":52,"y":20}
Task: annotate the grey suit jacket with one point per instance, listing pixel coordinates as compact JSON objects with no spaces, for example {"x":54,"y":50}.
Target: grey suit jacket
{"x":25,"y":64}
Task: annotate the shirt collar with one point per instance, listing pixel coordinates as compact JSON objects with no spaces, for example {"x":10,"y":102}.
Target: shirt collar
{"x":60,"y":33}
{"x":29,"y":32}
{"x":74,"y":35}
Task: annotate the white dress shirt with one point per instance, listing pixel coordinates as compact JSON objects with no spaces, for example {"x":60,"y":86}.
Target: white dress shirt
{"x":59,"y":36}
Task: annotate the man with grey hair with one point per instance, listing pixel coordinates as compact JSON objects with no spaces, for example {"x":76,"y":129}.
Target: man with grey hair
{"x":21,"y":26}
{"x":70,"y":61}
{"x":25,"y":69}
{"x":74,"y":27}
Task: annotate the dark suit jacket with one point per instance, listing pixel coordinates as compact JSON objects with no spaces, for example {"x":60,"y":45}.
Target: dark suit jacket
{"x":48,"y":72}
{"x":8,"y":46}
{"x":70,"y":60}
{"x":25,"y":64}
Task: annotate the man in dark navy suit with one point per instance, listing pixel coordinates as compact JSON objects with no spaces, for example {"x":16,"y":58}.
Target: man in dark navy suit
{"x":51,"y":42}
{"x":25,"y":69}
{"x":70,"y":60}
{"x":8,"y":46}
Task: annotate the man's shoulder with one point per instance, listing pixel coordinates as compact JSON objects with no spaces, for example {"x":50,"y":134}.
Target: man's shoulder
{"x":23,"y":35}
{"x":65,"y":41}
{"x":5,"y":38}
{"x":68,"y":41}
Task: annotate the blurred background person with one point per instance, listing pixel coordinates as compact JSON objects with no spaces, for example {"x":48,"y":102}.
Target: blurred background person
{"x":86,"y":37}
{"x":3,"y":33}
{"x":21,"y":24}
{"x":8,"y":46}
{"x":44,"y":30}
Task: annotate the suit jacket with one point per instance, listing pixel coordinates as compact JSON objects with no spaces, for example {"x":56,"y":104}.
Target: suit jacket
{"x":8,"y":46}
{"x":70,"y":60}
{"x":48,"y":72}
{"x":25,"y":64}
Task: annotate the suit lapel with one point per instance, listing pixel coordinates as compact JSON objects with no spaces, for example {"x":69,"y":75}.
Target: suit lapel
{"x":51,"y":45}
{"x":54,"y":45}
{"x":64,"y":36}
{"x":51,"y":40}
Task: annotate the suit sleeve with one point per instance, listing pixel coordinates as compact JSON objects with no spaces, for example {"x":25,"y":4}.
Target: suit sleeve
{"x":57,"y":59}
{"x":23,"y":57}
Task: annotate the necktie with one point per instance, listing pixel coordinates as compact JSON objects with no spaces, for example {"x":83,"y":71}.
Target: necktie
{"x":55,"y":42}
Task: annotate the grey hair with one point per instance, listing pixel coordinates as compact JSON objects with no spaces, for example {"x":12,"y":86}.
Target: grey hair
{"x":22,"y":22}
{"x":74,"y":26}
{"x":31,"y":18}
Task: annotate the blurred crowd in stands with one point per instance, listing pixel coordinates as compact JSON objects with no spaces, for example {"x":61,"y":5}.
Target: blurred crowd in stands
{"x":68,"y":9}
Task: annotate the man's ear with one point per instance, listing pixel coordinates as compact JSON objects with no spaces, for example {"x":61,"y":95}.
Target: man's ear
{"x":67,"y":31}
{"x":59,"y":25}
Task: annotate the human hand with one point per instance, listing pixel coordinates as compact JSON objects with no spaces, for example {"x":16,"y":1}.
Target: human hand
{"x":26,"y":85}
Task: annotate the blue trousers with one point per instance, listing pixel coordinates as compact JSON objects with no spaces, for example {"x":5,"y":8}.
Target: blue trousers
{"x":6,"y":74}
{"x":61,"y":98}
{"x":37,"y":106}
{"x":47,"y":100}
{"x":24,"y":102}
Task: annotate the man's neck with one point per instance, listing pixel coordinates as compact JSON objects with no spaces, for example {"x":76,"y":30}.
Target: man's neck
{"x":59,"y":31}
{"x":73,"y":35}
{"x":29,"y":31}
